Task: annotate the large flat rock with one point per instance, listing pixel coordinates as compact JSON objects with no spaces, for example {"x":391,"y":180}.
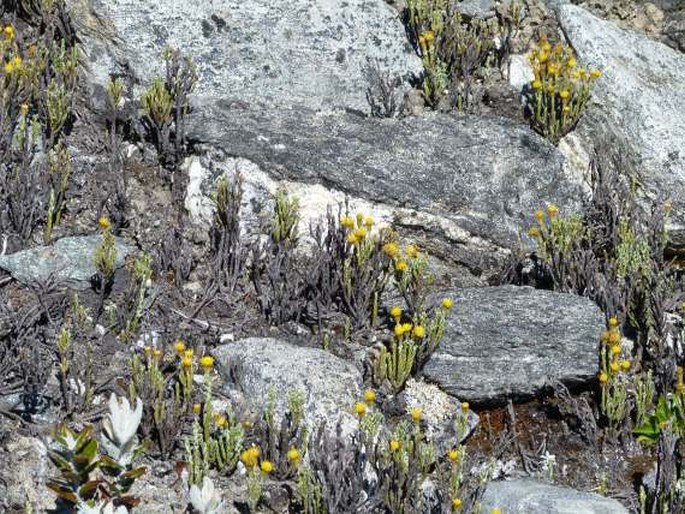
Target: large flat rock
{"x":508,"y":342}
{"x":473,"y":182}
{"x":273,"y":52}
{"x":639,"y":103}
{"x":329,"y":384}
{"x":527,"y":496}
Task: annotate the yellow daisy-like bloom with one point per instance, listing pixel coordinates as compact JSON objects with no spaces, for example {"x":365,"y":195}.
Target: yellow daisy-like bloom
{"x":566,"y":109}
{"x":353,"y":239}
{"x":412,"y":251}
{"x":603,"y":378}
{"x":188,"y":354}
{"x":157,"y":353}
{"x":370,"y":396}
{"x":396,"y":312}
{"x":625,"y":365}
{"x":534,"y":232}
{"x":17,"y":62}
{"x":24,"y":109}
{"x":266,"y":466}
{"x":614,"y":367}
{"x":347,"y":222}
{"x":536,"y":85}
{"x":614,"y":337}
{"x":187,"y":362}
{"x":429,"y":36}
{"x":453,"y":455}
{"x":550,"y":89}
{"x":207,"y":362}
{"x":539,"y":215}
{"x":392,"y":250}
{"x":595,"y":74}
{"x":360,"y":409}
{"x":406,"y":327}
{"x":294,"y":455}
{"x":197,"y":408}
{"x":104,"y":223}
{"x":465,"y":407}
{"x":565,"y":94}
{"x":361,"y":233}
{"x":401,"y":266}
{"x":418,"y":332}
{"x":250,"y":457}
{"x":179,"y":347}
{"x":616,"y":349}
{"x":395,"y":445}
{"x":542,"y":57}
{"x":398,"y":330}
{"x":571,"y":63}
{"x":456,"y":503}
{"x":368,"y":222}
{"x":416,"y":414}
{"x":447,"y":304}
{"x":613,"y":322}
{"x":9,"y":32}
{"x":220,"y":421}
{"x":147,"y":350}
{"x":496,"y":511}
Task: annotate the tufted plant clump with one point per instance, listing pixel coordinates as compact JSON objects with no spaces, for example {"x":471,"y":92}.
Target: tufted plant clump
{"x":560,"y":90}
{"x":458,"y":55}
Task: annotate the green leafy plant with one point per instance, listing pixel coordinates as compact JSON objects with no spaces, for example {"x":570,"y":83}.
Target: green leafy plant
{"x":59,"y":166}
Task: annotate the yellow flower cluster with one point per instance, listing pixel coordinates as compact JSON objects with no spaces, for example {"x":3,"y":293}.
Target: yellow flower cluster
{"x":357,"y":229}
{"x":186,"y":356}
{"x":559,"y":90}
{"x":611,"y":350}
{"x":539,"y":230}
{"x":250,"y":457}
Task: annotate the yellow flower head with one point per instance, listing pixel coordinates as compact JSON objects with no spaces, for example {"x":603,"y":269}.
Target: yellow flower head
{"x":614,"y":366}
{"x":361,"y":233}
{"x":392,"y":250}
{"x":537,"y":85}
{"x":496,"y":511}
{"x":603,"y":378}
{"x":616,"y":349}
{"x":187,"y":362}
{"x":401,"y":266}
{"x":347,"y":222}
{"x":418,"y":332}
{"x":534,"y":232}
{"x":398,"y":330}
{"x":595,"y":74}
{"x":396,"y":312}
{"x":565,"y":94}
{"x":360,"y":409}
{"x":625,"y":365}
{"x":613,"y":322}
{"x":614,"y":337}
{"x":266,"y":466}
{"x":220,"y":421}
{"x":207,"y":362}
{"x":550,"y":89}
{"x":416,"y":414}
{"x":104,"y":223}
{"x":566,"y":109}
{"x":370,"y":396}
{"x":542,"y":57}
{"x":406,"y":327}
{"x":368,"y":222}
{"x":17,"y":62}
{"x":571,"y":63}
{"x":157,"y":353}
{"x":9,"y":32}
{"x":429,"y":36}
{"x":412,"y":251}
{"x":446,"y":303}
{"x":179,"y":347}
{"x":465,"y":407}
{"x":197,"y":408}
{"x":353,"y":239}
{"x":294,"y":455}
{"x":24,"y":109}
{"x":453,"y":455}
{"x":540,"y":215}
{"x":188,"y":354}
{"x":395,"y":445}
{"x":250,"y":457}
{"x":147,"y":350}
{"x":456,"y":503}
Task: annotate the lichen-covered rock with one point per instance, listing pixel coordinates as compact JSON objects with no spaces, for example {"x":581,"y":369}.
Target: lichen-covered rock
{"x":330,"y":385}
{"x":272,"y":52}
{"x":533,"y":497}
{"x":639,"y":103}
{"x":68,"y":262}
{"x":466,"y":183}
{"x":508,"y":342}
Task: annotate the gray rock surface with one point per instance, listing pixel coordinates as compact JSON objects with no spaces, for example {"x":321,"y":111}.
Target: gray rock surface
{"x":273,"y":52}
{"x":68,"y":261}
{"x":508,"y":341}
{"x":533,"y":497}
{"x":476,"y":8}
{"x":639,"y":100}
{"x":469,"y":184}
{"x":329,"y":384}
